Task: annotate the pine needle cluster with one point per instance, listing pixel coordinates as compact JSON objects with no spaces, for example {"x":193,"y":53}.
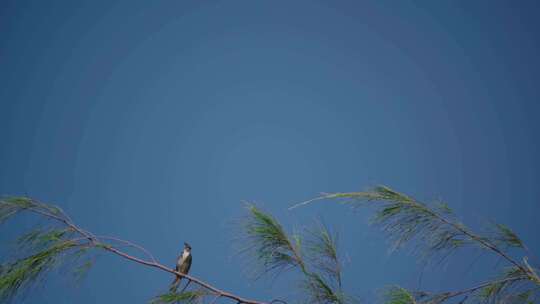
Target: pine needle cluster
{"x":435,"y":233}
{"x":314,"y":254}
{"x":39,"y":251}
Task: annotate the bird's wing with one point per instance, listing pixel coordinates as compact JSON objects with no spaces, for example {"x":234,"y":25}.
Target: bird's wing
{"x":178,"y":262}
{"x":186,"y":264}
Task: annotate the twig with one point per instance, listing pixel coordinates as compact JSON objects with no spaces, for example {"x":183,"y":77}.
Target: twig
{"x":480,"y":286}
{"x":129,"y":244}
{"x":478,"y":239}
{"x":471,"y":235}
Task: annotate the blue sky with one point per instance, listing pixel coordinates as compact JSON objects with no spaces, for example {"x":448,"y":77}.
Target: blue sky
{"x":153,"y":121}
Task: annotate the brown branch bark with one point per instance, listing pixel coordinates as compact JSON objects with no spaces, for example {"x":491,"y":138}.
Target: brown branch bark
{"x":95,"y":242}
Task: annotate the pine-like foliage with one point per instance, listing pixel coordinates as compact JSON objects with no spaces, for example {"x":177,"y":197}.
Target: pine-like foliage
{"x":435,"y":233}
{"x":398,"y":295}
{"x":40,"y":251}
{"x":317,"y":261}
{"x":267,"y":243}
{"x":321,"y":246}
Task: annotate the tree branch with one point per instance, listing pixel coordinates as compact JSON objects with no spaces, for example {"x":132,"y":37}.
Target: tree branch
{"x":412,"y":202}
{"x":467,"y":291}
{"x":95,"y":242}
{"x":478,"y":239}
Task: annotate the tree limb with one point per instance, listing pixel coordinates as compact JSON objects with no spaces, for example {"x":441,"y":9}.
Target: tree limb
{"x":95,"y":242}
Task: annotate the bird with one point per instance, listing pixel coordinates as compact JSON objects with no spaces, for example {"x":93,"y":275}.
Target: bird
{"x":183,"y":264}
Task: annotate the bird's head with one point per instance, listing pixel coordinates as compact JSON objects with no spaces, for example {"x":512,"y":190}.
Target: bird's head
{"x":187,"y":247}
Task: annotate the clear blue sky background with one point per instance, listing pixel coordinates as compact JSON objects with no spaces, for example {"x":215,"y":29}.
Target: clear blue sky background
{"x":153,"y":120}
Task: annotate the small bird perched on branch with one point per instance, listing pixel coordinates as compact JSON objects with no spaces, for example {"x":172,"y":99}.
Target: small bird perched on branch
{"x":183,"y":263}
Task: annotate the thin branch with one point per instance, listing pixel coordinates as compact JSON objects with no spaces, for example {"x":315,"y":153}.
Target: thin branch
{"x":130,"y":244}
{"x":409,"y":218}
{"x":94,"y":242}
{"x":371,"y":197}
{"x":480,"y":286}
{"x":478,"y":239}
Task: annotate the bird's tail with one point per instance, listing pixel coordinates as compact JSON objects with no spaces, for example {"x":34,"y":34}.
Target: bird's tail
{"x":175,"y":283}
